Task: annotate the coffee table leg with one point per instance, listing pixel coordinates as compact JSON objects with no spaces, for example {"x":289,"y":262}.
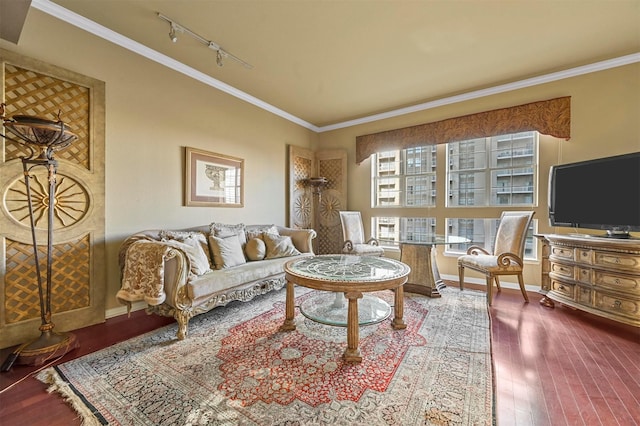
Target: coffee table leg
{"x":352,"y":353}
{"x":289,"y":321}
{"x":398,"y":309}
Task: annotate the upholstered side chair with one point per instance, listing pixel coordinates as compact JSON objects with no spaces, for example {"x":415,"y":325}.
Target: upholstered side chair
{"x":353,"y":236}
{"x":506,"y":256}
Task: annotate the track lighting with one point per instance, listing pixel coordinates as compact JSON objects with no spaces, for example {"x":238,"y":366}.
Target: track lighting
{"x":221,"y":54}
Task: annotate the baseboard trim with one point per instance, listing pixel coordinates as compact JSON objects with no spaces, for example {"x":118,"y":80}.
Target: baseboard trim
{"x":122,"y":310}
{"x":480,"y":281}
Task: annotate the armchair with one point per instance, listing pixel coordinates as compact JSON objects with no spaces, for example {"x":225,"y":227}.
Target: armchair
{"x":353,"y":235}
{"x":506,"y":258}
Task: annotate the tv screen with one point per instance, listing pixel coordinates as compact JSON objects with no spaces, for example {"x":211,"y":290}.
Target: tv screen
{"x":599,"y":194}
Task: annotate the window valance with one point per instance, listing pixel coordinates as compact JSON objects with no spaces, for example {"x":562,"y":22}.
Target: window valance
{"x":551,"y":117}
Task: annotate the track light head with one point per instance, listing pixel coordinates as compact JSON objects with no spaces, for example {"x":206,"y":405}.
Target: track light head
{"x":219,"y":58}
{"x":172,"y":33}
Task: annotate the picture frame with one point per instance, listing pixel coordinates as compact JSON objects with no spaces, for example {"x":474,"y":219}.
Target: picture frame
{"x":212,"y":179}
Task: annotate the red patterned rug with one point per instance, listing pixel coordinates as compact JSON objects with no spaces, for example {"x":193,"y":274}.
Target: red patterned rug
{"x":236,"y":367}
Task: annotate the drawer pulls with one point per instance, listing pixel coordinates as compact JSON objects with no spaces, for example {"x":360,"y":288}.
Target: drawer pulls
{"x":617,"y":304}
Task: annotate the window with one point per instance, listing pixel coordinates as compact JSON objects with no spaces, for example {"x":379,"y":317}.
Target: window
{"x":495,"y":171}
{"x":405,"y":178}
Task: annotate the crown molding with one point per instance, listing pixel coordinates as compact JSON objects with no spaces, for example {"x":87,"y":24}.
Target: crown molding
{"x":96,"y":29}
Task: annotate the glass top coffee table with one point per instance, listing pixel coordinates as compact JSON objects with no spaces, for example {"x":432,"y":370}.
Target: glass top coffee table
{"x":352,"y":276}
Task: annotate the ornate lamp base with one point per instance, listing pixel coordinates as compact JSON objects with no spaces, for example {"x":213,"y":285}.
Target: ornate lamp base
{"x":49,"y":345}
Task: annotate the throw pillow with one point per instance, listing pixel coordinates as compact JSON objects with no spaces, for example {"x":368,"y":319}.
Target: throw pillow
{"x":227,"y":252}
{"x":223,"y":230}
{"x":279,"y":246}
{"x":255,"y":249}
{"x":256,"y":231}
{"x":181,"y":235}
{"x":194,"y":252}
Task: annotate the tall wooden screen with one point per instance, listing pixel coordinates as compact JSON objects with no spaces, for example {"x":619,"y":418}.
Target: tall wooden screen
{"x":30,"y":87}
{"x":318,"y":210}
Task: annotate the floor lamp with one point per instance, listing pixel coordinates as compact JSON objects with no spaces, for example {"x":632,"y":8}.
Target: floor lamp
{"x":42,"y":137}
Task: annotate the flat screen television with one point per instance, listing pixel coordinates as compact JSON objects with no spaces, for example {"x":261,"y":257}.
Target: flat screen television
{"x":603,"y":193}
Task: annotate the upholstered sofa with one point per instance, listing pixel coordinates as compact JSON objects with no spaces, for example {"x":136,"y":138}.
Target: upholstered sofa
{"x":182,"y":273}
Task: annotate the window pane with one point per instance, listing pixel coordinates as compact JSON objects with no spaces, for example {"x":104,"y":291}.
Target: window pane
{"x":467,"y":155}
{"x":467,"y":188}
{"x":405,"y":178}
{"x":420,"y":190}
{"x":387,"y":191}
{"x":391,"y":230}
{"x":495,"y":171}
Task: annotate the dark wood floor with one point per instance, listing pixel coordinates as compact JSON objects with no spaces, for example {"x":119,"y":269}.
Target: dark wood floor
{"x":553,"y":367}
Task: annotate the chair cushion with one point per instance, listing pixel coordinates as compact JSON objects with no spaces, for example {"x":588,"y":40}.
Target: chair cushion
{"x":486,"y":263}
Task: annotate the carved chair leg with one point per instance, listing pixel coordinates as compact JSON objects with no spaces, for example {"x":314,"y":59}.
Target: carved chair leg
{"x":461,"y":276}
{"x":498,"y":283}
{"x":522,"y":289}
{"x":182,"y":318}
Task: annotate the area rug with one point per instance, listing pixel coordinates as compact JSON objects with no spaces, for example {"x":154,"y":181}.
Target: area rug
{"x":237,"y":368}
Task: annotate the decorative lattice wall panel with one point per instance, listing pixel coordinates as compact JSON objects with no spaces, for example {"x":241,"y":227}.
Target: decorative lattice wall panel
{"x":30,"y":93}
{"x":70,"y":273}
{"x":30,"y":87}
{"x":318,"y":211}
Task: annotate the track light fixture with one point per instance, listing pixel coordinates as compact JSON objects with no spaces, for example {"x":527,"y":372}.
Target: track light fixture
{"x":221,"y":54}
{"x":172,"y":33}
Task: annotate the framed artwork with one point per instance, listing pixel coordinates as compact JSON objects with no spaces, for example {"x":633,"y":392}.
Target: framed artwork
{"x":213,"y":180}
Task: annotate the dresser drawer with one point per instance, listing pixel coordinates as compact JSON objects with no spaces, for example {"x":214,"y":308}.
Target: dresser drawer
{"x":583,"y":275}
{"x":584,"y":295}
{"x":562,"y":252}
{"x":617,"y":261}
{"x":616,"y":304}
{"x":562,"y":270}
{"x":584,"y":256}
{"x":617,"y":282}
{"x":562,"y":288}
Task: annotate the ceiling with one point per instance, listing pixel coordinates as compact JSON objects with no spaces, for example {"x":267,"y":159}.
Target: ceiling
{"x":328,"y":62}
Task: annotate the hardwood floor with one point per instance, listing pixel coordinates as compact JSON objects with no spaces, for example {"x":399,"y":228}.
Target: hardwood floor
{"x":553,"y":367}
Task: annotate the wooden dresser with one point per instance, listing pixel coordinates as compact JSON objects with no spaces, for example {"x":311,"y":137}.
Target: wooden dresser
{"x":597,"y":275}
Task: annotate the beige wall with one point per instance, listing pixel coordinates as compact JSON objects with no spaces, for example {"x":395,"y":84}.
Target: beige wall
{"x":153,"y":112}
{"x":604,"y":121}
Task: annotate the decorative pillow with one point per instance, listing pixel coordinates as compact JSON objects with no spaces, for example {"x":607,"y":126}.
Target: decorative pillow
{"x":195,"y":253}
{"x":256,"y":231}
{"x":224,"y":230}
{"x":182,"y":235}
{"x":255,"y":249}
{"x":227,"y":252}
{"x":278,"y":246}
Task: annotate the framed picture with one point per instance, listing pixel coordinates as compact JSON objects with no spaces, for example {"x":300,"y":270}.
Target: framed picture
{"x":213,"y":180}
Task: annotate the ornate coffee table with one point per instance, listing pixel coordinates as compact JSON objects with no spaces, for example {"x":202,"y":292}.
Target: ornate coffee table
{"x":351,"y":275}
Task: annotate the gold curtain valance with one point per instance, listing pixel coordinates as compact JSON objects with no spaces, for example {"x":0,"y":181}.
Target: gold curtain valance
{"x":551,"y":117}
